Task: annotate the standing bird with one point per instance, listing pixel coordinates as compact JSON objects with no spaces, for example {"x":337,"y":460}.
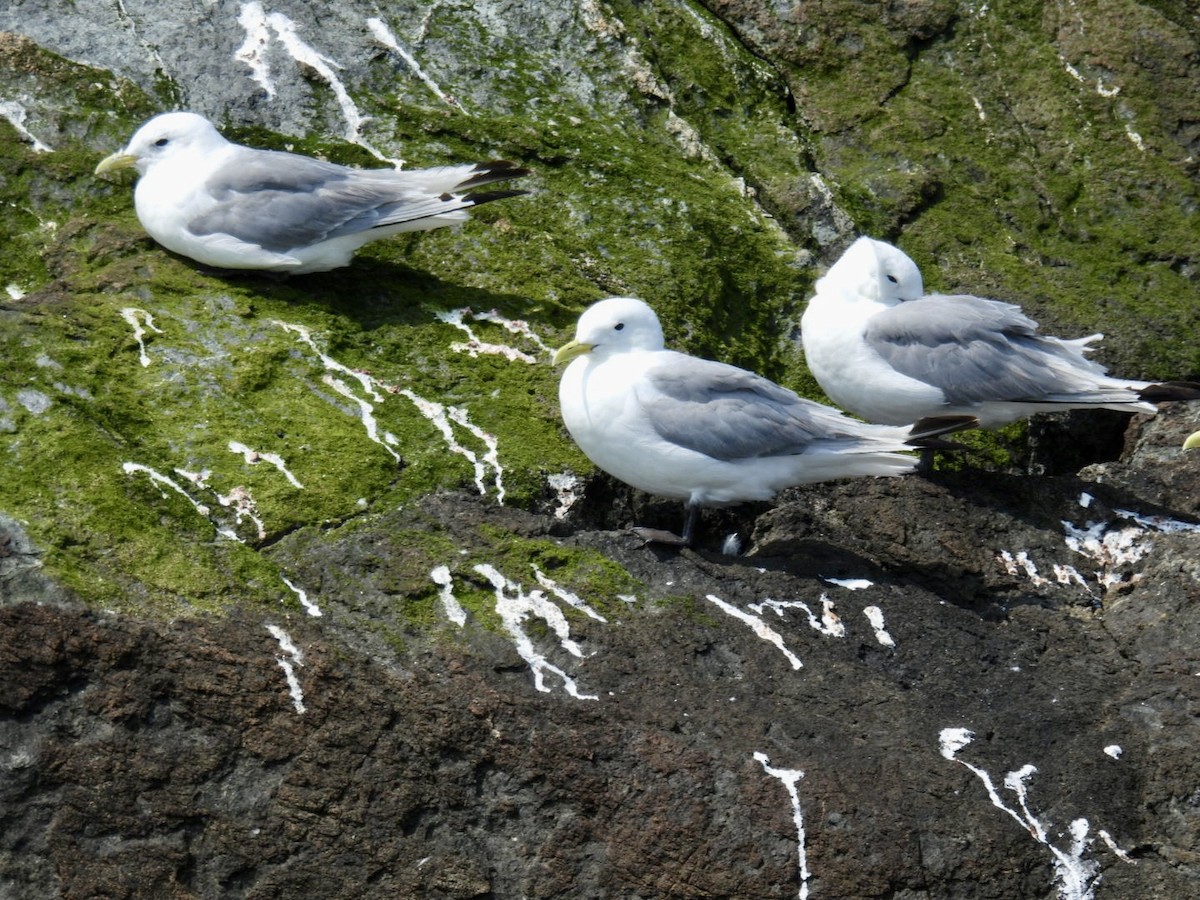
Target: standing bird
{"x":234,"y":207}
{"x":883,"y":349}
{"x":704,"y":432}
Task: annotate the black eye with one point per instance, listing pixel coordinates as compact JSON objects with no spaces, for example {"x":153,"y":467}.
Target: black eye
{"x":161,"y":142}
{"x":893,"y":279}
{"x":618,"y":326}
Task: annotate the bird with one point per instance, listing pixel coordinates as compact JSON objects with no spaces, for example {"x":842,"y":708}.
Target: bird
{"x":705,"y":432}
{"x":1192,"y":442}
{"x":228,"y":206}
{"x":885,"y":351}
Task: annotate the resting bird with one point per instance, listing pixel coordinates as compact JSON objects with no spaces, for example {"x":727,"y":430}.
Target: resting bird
{"x":704,"y":432}
{"x":233,"y":207}
{"x":885,"y":351}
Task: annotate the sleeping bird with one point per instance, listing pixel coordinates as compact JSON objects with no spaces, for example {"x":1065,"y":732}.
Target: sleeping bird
{"x":886,"y":351}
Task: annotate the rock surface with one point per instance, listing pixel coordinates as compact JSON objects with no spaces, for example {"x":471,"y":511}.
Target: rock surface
{"x":305,"y":592}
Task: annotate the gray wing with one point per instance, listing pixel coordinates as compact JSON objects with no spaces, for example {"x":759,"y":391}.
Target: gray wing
{"x":974,"y":349}
{"x":729,"y":413}
{"x":281,"y":201}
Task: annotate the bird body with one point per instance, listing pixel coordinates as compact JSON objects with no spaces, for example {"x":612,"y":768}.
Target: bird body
{"x":235,"y":207}
{"x":704,"y":432}
{"x":884,"y":350}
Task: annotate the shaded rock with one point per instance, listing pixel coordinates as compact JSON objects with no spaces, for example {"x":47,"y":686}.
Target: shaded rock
{"x":429,"y":765}
{"x":1155,"y":468}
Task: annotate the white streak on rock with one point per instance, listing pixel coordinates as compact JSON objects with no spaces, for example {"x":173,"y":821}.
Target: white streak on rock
{"x":875,"y":616}
{"x":1161,"y":524}
{"x":16,"y":114}
{"x":1135,"y":138}
{"x":199,"y":479}
{"x":565,"y":485}
{"x":474,"y":346}
{"x":514,"y":606}
{"x":289,"y":665}
{"x":242,"y":503}
{"x":130,"y":468}
{"x":366,"y":413}
{"x":368,"y":383}
{"x":254,"y":457}
{"x":790,"y":778}
{"x":1067,"y":575}
{"x":829,"y":624}
{"x":1110,"y":547}
{"x":1114,"y":546}
{"x":850,"y":584}
{"x":259,"y":25}
{"x":384,"y":35}
{"x":438,"y":414}
{"x":310,"y":606}
{"x":454,"y":611}
{"x":1122,"y":855}
{"x":1077,"y":877}
{"x":759,"y":627}
{"x":515,"y":326}
{"x":563,"y":594}
{"x":140,"y":326}
{"x":460,"y":416}
{"x":253,"y":51}
{"x":1022,"y":563}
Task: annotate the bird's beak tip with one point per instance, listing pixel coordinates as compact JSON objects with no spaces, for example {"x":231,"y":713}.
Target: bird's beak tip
{"x":115,"y":162}
{"x":570,"y":351}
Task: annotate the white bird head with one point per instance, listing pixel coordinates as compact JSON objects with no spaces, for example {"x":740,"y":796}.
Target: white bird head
{"x":875,"y":271}
{"x":614,"y":325}
{"x":173,"y":136}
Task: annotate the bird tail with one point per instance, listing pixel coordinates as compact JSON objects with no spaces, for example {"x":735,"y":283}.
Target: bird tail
{"x":1170,"y":390}
{"x":926,"y":433}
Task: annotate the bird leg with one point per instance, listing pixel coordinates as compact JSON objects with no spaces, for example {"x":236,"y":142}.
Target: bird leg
{"x":662,"y":536}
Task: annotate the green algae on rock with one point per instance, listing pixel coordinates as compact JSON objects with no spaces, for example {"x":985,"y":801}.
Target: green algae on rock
{"x":191,"y":418}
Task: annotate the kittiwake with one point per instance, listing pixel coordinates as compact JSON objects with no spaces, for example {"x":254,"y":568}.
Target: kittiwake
{"x":234,"y":207}
{"x":704,"y":432}
{"x":884,"y":350}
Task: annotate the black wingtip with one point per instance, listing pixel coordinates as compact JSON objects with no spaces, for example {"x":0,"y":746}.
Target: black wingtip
{"x":925,"y":432}
{"x":1170,"y":390}
{"x":488,"y":196}
{"x":492,"y":171}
